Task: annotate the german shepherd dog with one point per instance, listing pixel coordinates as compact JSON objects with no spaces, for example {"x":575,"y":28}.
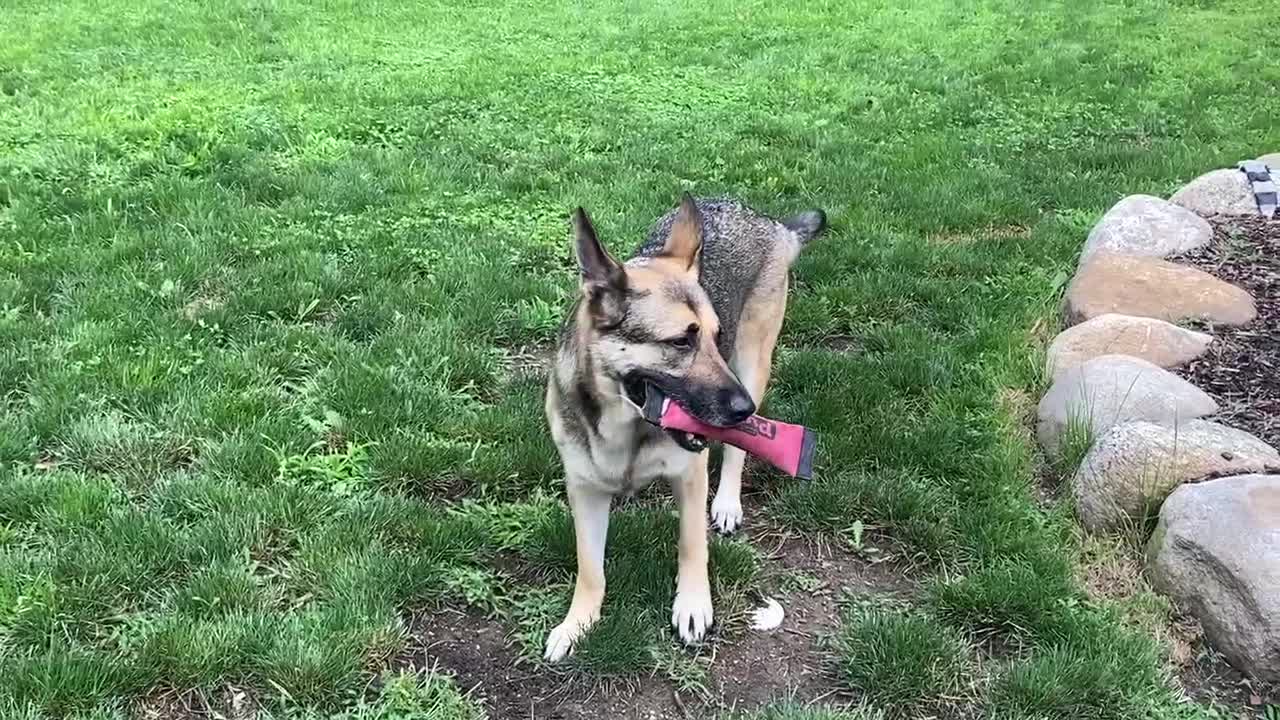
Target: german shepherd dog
{"x":696,"y":314}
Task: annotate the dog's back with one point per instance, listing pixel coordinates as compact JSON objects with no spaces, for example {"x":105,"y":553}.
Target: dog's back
{"x":741,"y":251}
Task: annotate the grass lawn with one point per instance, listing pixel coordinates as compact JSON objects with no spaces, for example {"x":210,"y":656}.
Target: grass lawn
{"x":276,"y":283}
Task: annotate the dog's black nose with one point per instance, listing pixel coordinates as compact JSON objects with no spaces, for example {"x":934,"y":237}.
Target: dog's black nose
{"x":738,"y":405}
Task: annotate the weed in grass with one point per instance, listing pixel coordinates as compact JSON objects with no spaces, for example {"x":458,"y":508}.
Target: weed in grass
{"x":902,"y":660}
{"x":427,"y":695}
{"x":532,"y":613}
{"x":509,"y":526}
{"x":1187,"y":710}
{"x":474,"y":586}
{"x":800,"y":582}
{"x":342,"y":473}
{"x":689,"y":672}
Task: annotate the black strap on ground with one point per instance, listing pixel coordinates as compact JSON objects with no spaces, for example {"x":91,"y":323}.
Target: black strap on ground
{"x":1262,"y":184}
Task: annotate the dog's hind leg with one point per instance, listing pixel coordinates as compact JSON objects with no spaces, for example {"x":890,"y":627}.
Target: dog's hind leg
{"x":591,"y":528}
{"x":752,"y":361}
{"x":691,"y":613}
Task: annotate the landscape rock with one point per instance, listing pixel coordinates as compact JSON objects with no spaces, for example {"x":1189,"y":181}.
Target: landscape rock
{"x":1154,"y":288}
{"x":1216,"y":551}
{"x":1155,"y":341}
{"x":1146,"y":225}
{"x":1218,"y":192}
{"x":1133,"y":467}
{"x":1113,"y":389}
{"x":1272,"y":160}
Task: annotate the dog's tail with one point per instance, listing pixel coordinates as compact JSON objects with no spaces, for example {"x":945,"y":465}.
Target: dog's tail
{"x":806,"y":225}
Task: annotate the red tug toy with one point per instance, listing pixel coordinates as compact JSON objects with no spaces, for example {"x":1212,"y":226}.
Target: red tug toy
{"x":786,"y":446}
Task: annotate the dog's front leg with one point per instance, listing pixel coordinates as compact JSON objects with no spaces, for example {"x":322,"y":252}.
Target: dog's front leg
{"x":691,"y":614}
{"x":591,"y":528}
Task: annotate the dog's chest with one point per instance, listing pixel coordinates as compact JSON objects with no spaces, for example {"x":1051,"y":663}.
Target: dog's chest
{"x":630,"y":456}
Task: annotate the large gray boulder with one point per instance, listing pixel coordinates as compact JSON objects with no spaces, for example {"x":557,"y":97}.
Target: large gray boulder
{"x":1154,"y":288}
{"x":1218,"y":192}
{"x":1155,"y":341}
{"x":1133,"y":467}
{"x":1272,"y":160}
{"x":1113,"y":389}
{"x":1146,"y":225}
{"x":1216,"y":551}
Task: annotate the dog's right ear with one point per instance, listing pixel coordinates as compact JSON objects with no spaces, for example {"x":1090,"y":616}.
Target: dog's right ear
{"x":604,"y":283}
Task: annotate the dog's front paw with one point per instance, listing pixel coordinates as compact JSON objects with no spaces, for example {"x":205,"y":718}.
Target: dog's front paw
{"x":726,"y":514}
{"x":561,"y":639}
{"x":691,"y":614}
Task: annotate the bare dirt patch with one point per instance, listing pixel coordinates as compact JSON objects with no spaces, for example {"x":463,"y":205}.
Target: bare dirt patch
{"x":745,"y":668}
{"x":809,"y":578}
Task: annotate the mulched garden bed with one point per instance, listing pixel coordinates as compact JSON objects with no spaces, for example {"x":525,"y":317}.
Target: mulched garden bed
{"x":1241,"y":370}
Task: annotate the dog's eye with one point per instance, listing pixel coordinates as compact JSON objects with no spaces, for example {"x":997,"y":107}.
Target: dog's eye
{"x":685,"y":341}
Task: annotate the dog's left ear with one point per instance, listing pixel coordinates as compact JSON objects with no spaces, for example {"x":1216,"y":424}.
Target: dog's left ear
{"x":685,"y":241}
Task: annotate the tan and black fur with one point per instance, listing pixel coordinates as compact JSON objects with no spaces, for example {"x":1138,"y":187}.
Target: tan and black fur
{"x":696,"y":313}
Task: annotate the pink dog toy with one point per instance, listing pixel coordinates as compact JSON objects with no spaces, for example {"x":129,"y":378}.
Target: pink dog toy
{"x":785,"y":446}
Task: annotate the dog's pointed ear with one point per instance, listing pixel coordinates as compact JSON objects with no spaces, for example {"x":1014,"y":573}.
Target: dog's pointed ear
{"x":685,"y":240}
{"x":604,"y":283}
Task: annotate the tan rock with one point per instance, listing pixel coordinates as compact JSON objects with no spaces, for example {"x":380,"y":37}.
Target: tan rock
{"x":1155,"y":341}
{"x":1133,"y":467}
{"x":1218,"y":192}
{"x":1154,"y":288}
{"x":1272,"y":160}
{"x":1086,"y":401}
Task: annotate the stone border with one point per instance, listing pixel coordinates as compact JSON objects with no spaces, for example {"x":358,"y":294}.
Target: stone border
{"x":1138,"y":429}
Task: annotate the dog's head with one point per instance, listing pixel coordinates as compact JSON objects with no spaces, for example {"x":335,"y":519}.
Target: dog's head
{"x":650,"y":322}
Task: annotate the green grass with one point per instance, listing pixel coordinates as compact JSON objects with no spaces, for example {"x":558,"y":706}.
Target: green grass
{"x":901,"y":660}
{"x":269,"y":274}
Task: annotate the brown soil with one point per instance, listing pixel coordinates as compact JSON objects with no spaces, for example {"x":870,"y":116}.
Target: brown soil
{"x":1208,"y":677}
{"x":792,"y":660}
{"x":1241,"y":370}
{"x":747,"y":668}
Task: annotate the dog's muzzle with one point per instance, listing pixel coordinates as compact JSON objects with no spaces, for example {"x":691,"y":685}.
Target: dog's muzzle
{"x":651,"y":410}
